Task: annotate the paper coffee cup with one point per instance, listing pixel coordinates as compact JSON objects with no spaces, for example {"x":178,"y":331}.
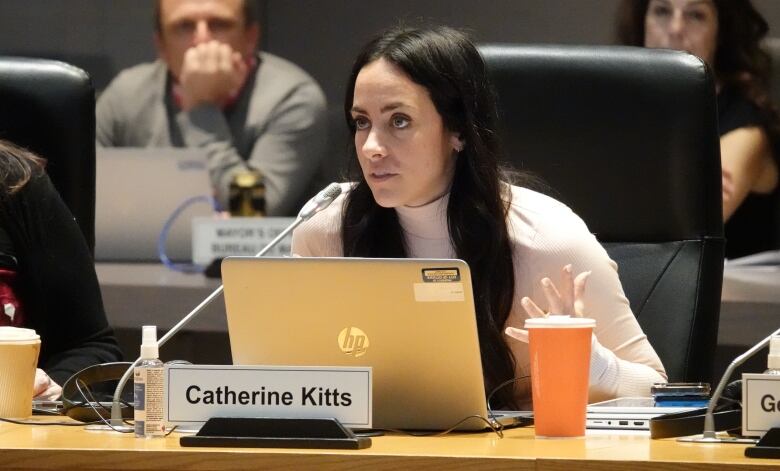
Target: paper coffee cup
{"x":19,"y":350}
{"x":559,"y":350}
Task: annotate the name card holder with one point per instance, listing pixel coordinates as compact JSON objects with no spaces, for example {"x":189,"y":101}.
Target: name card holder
{"x":271,"y":432}
{"x":215,"y":238}
{"x":761,"y":413}
{"x":760,"y":403}
{"x":270,"y":406}
{"x":767,"y":447}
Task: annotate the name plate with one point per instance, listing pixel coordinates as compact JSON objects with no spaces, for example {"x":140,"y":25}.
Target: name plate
{"x":195,"y":393}
{"x":760,"y":403}
{"x":218,"y":238}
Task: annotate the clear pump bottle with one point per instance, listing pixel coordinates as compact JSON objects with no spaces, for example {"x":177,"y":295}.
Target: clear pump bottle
{"x":773,"y":360}
{"x":148,"y":388}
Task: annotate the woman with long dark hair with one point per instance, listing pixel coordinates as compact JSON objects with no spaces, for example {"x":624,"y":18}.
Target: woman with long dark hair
{"x":47,"y":276}
{"x":727,"y":35}
{"x":423,"y":116}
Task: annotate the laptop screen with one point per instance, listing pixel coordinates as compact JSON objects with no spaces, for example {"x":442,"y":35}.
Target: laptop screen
{"x":411,"y":320}
{"x":137,"y":190}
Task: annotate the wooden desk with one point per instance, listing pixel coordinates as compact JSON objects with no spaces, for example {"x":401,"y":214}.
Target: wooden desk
{"x":29,"y":447}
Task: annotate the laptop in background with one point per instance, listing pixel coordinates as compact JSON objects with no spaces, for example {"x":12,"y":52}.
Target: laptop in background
{"x":137,"y":190}
{"x":411,"y":320}
{"x":627,"y":413}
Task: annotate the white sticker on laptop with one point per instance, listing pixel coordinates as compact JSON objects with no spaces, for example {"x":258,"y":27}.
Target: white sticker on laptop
{"x":438,"y":292}
{"x":439,"y":285}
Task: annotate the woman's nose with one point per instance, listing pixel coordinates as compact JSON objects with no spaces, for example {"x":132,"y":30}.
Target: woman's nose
{"x":373,"y":148}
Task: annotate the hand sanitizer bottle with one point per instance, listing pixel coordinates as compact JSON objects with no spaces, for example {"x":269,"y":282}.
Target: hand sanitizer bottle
{"x":148,"y":388}
{"x":773,"y":361}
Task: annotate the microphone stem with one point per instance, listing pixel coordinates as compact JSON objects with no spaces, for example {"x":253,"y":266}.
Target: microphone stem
{"x":116,"y":410}
{"x":709,"y":418}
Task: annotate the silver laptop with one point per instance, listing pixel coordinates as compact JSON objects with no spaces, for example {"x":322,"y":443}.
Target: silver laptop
{"x":411,"y":320}
{"x":629,"y":413}
{"x":137,"y":190}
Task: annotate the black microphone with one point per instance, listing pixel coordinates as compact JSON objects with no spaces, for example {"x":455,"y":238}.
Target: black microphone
{"x":320,"y":201}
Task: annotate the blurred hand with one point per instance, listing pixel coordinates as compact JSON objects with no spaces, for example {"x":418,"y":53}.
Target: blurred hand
{"x":567,"y":301}
{"x":211,"y":73}
{"x":45,"y":388}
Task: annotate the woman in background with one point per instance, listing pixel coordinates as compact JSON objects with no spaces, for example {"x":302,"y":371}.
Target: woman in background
{"x":47,"y":276}
{"x":727,"y":35}
{"x":423,"y":116}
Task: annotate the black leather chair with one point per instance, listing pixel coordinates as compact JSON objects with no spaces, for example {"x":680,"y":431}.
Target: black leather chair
{"x":627,"y":137}
{"x":49,"y":108}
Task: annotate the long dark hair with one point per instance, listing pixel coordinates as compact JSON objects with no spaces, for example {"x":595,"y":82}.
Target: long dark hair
{"x":17,"y":166}
{"x":448,"y":65}
{"x":740,"y":62}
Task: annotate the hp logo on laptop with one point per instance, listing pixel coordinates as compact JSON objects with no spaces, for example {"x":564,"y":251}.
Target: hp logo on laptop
{"x":353,"y":341}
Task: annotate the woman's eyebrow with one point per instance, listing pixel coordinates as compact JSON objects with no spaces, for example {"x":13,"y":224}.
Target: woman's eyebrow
{"x":384,"y":109}
{"x":392,"y":106}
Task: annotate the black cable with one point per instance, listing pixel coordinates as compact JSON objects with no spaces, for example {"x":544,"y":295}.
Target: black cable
{"x":728,"y":402}
{"x":491,"y":425}
{"x":91,"y":401}
{"x":491,"y":414}
{"x":67,"y":424}
{"x":491,"y":421}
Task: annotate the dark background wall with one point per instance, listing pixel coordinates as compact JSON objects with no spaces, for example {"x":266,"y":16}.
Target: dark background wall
{"x":104,"y":36}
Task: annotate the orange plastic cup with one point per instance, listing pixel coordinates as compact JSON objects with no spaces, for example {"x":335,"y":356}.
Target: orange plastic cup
{"x":559,"y":348}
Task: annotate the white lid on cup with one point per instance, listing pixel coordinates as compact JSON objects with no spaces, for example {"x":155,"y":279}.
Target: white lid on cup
{"x":17,"y":335}
{"x":557,"y":321}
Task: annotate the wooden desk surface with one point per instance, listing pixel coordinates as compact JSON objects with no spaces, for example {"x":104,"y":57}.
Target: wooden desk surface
{"x":55,"y":447}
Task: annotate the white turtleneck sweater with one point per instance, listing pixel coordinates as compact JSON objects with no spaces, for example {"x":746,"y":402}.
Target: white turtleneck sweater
{"x":545,"y":235}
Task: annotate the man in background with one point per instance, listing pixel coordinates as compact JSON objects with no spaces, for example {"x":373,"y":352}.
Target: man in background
{"x":210,"y":88}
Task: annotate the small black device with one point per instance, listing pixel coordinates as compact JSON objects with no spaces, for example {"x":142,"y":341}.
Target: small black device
{"x":727,"y":417}
{"x":680,"y":389}
{"x":680,"y":394}
{"x":98,"y":381}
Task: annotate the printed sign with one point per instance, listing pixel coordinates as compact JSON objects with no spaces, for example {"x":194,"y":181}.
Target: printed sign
{"x":760,"y":403}
{"x":195,"y":393}
{"x":218,"y":238}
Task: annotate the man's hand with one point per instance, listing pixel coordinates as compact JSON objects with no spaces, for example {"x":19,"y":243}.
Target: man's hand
{"x":212,"y":73}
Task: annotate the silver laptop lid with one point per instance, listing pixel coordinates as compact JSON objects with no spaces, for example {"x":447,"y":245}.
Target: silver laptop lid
{"x":137,"y":189}
{"x":411,"y":320}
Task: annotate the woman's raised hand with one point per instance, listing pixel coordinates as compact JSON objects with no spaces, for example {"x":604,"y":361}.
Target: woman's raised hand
{"x":568,"y":300}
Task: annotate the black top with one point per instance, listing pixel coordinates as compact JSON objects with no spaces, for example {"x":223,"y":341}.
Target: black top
{"x":754,"y":225}
{"x":56,"y":283}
